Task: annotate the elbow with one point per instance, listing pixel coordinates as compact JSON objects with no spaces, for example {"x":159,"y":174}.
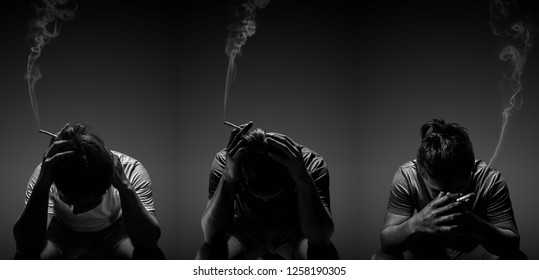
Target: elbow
{"x":514,"y":242}
{"x":384,"y":244}
{"x":322,"y":234}
{"x":149,"y":240}
{"x":212,"y":235}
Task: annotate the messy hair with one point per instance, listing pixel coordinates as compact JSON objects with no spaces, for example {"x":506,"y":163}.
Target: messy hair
{"x":446,"y":151}
{"x":259,"y":172}
{"x":89,"y":171}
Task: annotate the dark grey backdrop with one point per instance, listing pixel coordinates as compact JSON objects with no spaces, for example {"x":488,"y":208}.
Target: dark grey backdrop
{"x":115,"y":67}
{"x":353,"y":83}
{"x":298,"y":76}
{"x":150,"y":79}
{"x":433,"y":59}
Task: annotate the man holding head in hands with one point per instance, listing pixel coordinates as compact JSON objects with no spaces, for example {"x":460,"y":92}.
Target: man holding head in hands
{"x":84,"y":201}
{"x":445,"y":204}
{"x":268,"y":198}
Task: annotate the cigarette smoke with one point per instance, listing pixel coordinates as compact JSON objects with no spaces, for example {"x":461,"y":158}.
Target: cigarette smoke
{"x":49,"y":12}
{"x":514,"y":31}
{"x":238,"y":32}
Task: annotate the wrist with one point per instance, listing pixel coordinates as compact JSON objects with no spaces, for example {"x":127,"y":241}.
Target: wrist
{"x":411,"y":226}
{"x":229,"y":184}
{"x":42,"y":184}
{"x":122,"y":185}
{"x":301,"y":178}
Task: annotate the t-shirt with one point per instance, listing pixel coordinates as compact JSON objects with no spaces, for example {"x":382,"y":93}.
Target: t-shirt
{"x":281,"y":211}
{"x":409,"y":194}
{"x":110,"y":208}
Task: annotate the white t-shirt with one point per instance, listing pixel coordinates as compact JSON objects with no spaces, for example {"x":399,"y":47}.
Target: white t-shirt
{"x":110,"y":208}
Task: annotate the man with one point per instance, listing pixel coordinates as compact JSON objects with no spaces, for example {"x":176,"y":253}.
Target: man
{"x":268,"y":198}
{"x":425,"y":218}
{"x":86,"y":202}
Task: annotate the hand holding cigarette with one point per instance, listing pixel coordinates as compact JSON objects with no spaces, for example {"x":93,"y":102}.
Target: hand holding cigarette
{"x":465,"y":197}
{"x":232,"y":125}
{"x":48,"y":133}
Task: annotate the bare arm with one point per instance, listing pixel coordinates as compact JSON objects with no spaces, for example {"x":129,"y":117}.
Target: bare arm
{"x":500,"y":238}
{"x":315,"y":219}
{"x":400,"y":231}
{"x":31,"y":226}
{"x":218,"y":216}
{"x":141,"y":225}
{"x":219,"y":213}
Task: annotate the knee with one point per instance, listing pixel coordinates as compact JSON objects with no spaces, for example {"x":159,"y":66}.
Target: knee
{"x":318,"y":251}
{"x":154,"y":253}
{"x":216,"y":251}
{"x":126,"y":250}
{"x":381,"y":255}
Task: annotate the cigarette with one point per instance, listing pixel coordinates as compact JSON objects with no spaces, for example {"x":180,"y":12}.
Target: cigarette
{"x":232,"y":125}
{"x":465,"y":197}
{"x":48,"y":133}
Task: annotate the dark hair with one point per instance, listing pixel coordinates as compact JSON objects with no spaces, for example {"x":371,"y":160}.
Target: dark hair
{"x":259,"y":172}
{"x":446,"y":151}
{"x":89,"y":171}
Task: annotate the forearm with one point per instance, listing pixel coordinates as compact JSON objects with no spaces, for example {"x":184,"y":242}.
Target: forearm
{"x":398,"y":238}
{"x":218,"y":216}
{"x":497,"y":240}
{"x":315,"y":220}
{"x":142,"y":227}
{"x":31,"y":226}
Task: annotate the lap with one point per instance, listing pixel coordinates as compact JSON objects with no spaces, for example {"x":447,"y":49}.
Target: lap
{"x":102,"y":244}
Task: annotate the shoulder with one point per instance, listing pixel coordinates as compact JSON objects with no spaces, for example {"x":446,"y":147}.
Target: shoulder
{"x":487,"y":177}
{"x":219,"y":160}
{"x":407,"y":170}
{"x":124,"y":158}
{"x":133,"y":168}
{"x":312,"y":159}
{"x":406,"y":178}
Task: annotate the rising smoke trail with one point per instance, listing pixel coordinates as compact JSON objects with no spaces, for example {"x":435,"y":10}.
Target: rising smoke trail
{"x":239,"y":31}
{"x":514,"y":30}
{"x":48,"y":12}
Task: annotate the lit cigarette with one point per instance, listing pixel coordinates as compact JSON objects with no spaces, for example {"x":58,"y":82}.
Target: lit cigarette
{"x":48,"y":133}
{"x":470,"y":195}
{"x":232,"y":125}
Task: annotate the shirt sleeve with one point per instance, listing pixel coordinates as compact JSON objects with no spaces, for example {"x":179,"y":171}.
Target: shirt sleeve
{"x":400,"y":199}
{"x":216,"y":171}
{"x":140,"y":180}
{"x":498,"y":208}
{"x":317,"y":168}
{"x":30,"y":188}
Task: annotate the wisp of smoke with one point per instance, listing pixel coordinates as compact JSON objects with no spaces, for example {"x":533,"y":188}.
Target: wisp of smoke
{"x":49,"y":12}
{"x":239,"y":31}
{"x":514,"y":30}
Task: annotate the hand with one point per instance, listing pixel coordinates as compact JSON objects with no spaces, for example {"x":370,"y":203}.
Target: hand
{"x":291,"y":157}
{"x":57,"y":150}
{"x":119,"y":179}
{"x":468,"y":222}
{"x":439,"y":216}
{"x":235,"y":150}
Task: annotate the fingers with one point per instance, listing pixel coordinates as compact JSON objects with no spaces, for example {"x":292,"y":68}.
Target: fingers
{"x":58,"y":156}
{"x":440,"y":200}
{"x":449,"y":207}
{"x":447,"y":229}
{"x":240,"y":146}
{"x":443,"y":198}
{"x":236,"y":134}
{"x":284,"y":144}
{"x":449,"y":218}
{"x":62,"y":145}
